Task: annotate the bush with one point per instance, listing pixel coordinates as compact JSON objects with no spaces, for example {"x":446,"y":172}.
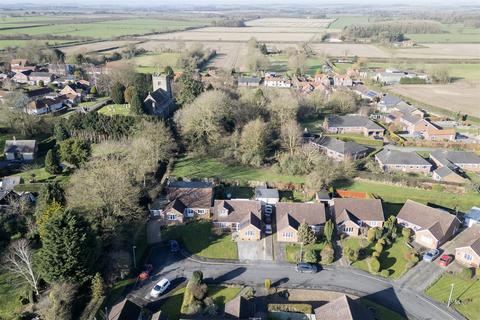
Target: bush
{"x":375,"y":254}
{"x":194,"y":307}
{"x":350,"y":254}
{"x":467,"y":273}
{"x":407,"y":233}
{"x":379,"y":247}
{"x":385,"y":273}
{"x":381,"y":241}
{"x":327,"y":254}
{"x":248,"y":293}
{"x":371,"y":234}
{"x":373,"y":264}
{"x":310,"y":256}
{"x":267,"y":283}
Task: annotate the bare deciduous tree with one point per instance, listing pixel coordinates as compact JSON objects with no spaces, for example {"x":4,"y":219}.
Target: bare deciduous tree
{"x":18,"y":260}
{"x":291,"y":135}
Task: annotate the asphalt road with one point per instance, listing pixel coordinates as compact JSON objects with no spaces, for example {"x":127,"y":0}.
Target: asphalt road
{"x":402,"y":299}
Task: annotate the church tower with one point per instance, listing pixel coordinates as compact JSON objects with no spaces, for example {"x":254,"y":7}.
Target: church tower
{"x":163,"y":82}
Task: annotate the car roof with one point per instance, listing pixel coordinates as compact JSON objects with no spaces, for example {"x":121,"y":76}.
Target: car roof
{"x":163,"y":282}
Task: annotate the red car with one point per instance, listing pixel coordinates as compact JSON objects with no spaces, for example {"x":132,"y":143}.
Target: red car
{"x":445,"y":260}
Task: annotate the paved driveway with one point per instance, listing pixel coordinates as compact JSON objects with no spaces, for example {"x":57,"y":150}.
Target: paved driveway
{"x":255,"y":250}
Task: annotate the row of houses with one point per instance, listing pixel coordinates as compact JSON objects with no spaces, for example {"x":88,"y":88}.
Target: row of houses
{"x":245,"y":218}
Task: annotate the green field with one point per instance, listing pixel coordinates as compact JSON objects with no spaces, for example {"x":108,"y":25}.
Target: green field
{"x":454,"y":33}
{"x":466,"y":292}
{"x":198,"y":167}
{"x":107,"y":29}
{"x":20,"y":43}
{"x":345,"y":21}
{"x":398,"y":195}
{"x":152,"y":62}
{"x":279,"y":63}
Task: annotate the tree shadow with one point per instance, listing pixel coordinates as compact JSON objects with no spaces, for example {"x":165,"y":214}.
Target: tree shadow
{"x":280,"y":282}
{"x":387,"y":298}
{"x":232,"y":274}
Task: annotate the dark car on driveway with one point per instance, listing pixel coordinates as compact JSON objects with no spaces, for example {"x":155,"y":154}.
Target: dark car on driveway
{"x":174,"y":246}
{"x":307,"y":268}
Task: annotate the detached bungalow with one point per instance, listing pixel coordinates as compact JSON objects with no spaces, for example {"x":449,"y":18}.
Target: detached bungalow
{"x":36,"y":77}
{"x":290,"y":215}
{"x":340,"y":150}
{"x":432,"y":227}
{"x":465,"y":160}
{"x":23,"y":150}
{"x":187,"y":199}
{"x":394,"y":160}
{"x":343,"y":308}
{"x":353,"y":214}
{"x":249,"y":81}
{"x":244,"y":217}
{"x":353,"y":124}
{"x":467,"y":250}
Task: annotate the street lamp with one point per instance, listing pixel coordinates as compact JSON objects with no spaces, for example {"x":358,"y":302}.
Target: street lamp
{"x":134,"y":258}
{"x":450,"y":297}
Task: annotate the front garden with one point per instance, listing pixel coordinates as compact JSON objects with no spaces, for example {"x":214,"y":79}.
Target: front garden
{"x":201,"y":239}
{"x":465,"y":294}
{"x":384,"y":251}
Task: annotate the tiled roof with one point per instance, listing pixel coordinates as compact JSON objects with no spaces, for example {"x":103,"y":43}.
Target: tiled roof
{"x":294,"y":213}
{"x":343,"y":308}
{"x":361,"y":209}
{"x":352,"y":121}
{"x":393,"y":157}
{"x":238,"y":210}
{"x":342,"y":147}
{"x":470,"y":237}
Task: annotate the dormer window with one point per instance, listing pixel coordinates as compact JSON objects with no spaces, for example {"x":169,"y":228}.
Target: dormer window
{"x":223,"y":212}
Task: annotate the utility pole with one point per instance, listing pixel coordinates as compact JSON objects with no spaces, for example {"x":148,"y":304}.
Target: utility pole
{"x":134,"y":258}
{"x":450,"y":297}
{"x":301,"y":251}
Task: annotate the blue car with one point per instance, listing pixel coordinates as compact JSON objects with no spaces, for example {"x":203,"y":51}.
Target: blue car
{"x":431,"y":255}
{"x":174,"y":246}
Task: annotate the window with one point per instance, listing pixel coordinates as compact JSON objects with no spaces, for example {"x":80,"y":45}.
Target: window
{"x":249,"y":233}
{"x":467,"y":257}
{"x":189,"y":212}
{"x":288,"y":234}
{"x":171,"y":217}
{"x":201,"y":211}
{"x":348,"y":229}
{"x":372,"y":223}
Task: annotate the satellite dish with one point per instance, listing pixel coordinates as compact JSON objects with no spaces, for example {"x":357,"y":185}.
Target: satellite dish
{"x":229,"y":195}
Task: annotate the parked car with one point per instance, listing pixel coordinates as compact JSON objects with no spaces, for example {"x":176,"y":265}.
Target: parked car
{"x":306,"y":268}
{"x":160,"y":288}
{"x":445,"y":260}
{"x":431,"y":255}
{"x":268,"y":229}
{"x":174,"y":246}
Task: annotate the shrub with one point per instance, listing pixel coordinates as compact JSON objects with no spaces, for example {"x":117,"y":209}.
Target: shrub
{"x":327,"y":254}
{"x":248,"y":293}
{"x":375,"y":254}
{"x":350,"y":254}
{"x":311,"y":256}
{"x":373,"y":264}
{"x":267,"y":283}
{"x":381,"y":241}
{"x":407,"y":233}
{"x":385,"y":273}
{"x":467,"y":273}
{"x":194,"y":307}
{"x":378,"y":247}
{"x":371,"y":233}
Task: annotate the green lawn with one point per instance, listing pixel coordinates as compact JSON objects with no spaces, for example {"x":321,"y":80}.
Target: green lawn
{"x":358,"y":138}
{"x":379,"y":311}
{"x":219,"y":294}
{"x":41,"y":176}
{"x":198,"y":167}
{"x":398,"y":195}
{"x":89,"y":104}
{"x":292,"y":251}
{"x":392,"y":259}
{"x":466,"y":292}
{"x":279,"y":63}
{"x":345,"y":21}
{"x":199,"y":238}
{"x":453,"y":33}
{"x":115,"y":109}
{"x":11,"y":290}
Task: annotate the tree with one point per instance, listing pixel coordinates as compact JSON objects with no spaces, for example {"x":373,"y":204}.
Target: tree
{"x":44,"y":215}
{"x":51,"y":192}
{"x":328,"y":230}
{"x":298,"y":62}
{"x":291,"y":135}
{"x":117,"y":94}
{"x":372,"y":234}
{"x":254,"y":143}
{"x":189,"y":89}
{"x":93,"y":91}
{"x":97,"y":287}
{"x":62,"y":298}
{"x":129,"y":93}
{"x":378,"y":247}
{"x":18,"y":260}
{"x":440,"y":74}
{"x":322,"y":176}
{"x":68,"y":249}
{"x":407,"y":233}
{"x":52,"y":162}
{"x":136,"y":105}
{"x":60,"y":132}
{"x":169,"y":71}
{"x":327,"y":254}
{"x":267,"y":284}
{"x":343,"y":101}
{"x":374,"y":264}
{"x":310,"y":256}
{"x":306,"y":234}
{"x":41,"y":83}
{"x":75,"y":151}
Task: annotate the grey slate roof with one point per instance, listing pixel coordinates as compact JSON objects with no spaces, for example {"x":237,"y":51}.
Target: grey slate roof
{"x":389,"y":100}
{"x":22,"y":146}
{"x":404,"y":107}
{"x":444,"y":171}
{"x":456,"y":157}
{"x":342,"y":147}
{"x":8,"y":183}
{"x":41,"y":74}
{"x":392,"y":157}
{"x":352,"y":121}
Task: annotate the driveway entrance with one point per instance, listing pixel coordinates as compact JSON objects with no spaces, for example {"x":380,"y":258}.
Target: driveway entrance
{"x":255,"y":250}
